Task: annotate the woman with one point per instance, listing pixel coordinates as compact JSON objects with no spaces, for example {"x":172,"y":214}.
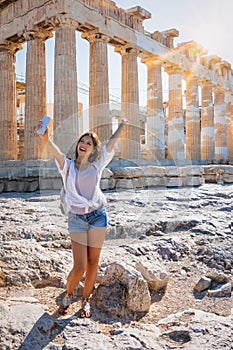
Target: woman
{"x":87,"y":220}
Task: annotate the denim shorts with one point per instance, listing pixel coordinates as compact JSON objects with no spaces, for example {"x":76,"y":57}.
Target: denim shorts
{"x":84,"y":222}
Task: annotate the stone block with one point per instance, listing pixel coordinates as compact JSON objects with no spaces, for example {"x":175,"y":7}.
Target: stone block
{"x":124,"y":183}
{"x":31,"y":171}
{"x":128,"y":172}
{"x":50,"y":183}
{"x":227,"y":178}
{"x":228,"y":169}
{"x":141,"y":182}
{"x":12,"y":172}
{"x":153,"y":171}
{"x":31,"y":186}
{"x":210,"y":178}
{"x":48,"y":172}
{"x":107,"y":184}
{"x":209,"y":169}
{"x":175,"y":182}
{"x":107,"y":173}
{"x":172,"y":171}
{"x":156,"y":181}
{"x":193,"y":170}
{"x":193,"y":181}
{"x":1,"y":187}
{"x":11,"y":186}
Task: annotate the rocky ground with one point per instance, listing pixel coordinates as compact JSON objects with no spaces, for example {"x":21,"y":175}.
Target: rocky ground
{"x":186,"y":233}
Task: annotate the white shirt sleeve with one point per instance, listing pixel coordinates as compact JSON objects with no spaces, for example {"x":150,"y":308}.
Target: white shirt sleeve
{"x":104,"y":158}
{"x":65,"y":168}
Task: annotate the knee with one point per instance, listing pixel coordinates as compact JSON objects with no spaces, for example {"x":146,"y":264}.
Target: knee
{"x":79,"y":269}
{"x":93,"y":262}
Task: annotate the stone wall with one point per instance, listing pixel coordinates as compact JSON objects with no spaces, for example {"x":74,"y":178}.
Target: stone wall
{"x":29,"y":176}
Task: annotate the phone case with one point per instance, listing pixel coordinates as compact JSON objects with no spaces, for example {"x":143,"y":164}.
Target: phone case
{"x":44,"y":123}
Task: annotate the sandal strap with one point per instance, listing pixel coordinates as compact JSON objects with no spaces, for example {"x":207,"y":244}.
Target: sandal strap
{"x":67,"y":300}
{"x":86,"y":304}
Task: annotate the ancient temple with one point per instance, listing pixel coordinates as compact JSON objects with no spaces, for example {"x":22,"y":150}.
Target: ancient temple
{"x":203,"y":133}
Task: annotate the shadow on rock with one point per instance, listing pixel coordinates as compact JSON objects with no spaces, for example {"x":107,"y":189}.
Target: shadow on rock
{"x":44,"y":331}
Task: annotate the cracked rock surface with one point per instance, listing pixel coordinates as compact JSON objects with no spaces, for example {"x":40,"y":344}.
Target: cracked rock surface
{"x":172,"y":246}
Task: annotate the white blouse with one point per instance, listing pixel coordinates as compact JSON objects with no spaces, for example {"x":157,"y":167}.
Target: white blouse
{"x":83,"y":192}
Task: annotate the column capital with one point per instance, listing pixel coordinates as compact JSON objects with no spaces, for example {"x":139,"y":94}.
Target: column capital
{"x":127,"y":49}
{"x":205,"y":82}
{"x":189,"y":75}
{"x":152,"y":60}
{"x":10,"y":46}
{"x":172,"y":69}
{"x":62,"y":19}
{"x":37,"y":33}
{"x":218,"y":89}
{"x":93,"y":36}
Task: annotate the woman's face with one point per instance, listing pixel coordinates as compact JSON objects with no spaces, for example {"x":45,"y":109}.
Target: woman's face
{"x":85,"y":146}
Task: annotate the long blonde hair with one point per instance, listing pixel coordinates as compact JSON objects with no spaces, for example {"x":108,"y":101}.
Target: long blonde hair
{"x":96,"y":143}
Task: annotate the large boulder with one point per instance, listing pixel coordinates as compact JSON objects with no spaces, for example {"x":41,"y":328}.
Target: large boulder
{"x":123,"y":291}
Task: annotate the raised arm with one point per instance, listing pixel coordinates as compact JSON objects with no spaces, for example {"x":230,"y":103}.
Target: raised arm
{"x":117,"y":134}
{"x":52,"y":148}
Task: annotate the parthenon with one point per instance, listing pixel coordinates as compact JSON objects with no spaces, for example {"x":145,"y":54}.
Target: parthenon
{"x":204,"y":133}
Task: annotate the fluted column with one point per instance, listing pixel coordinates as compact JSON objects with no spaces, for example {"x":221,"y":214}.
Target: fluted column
{"x":8,"y":122}
{"x":229,"y":124}
{"x":65,"y":87}
{"x":130,"y":143}
{"x":99,"y":113}
{"x":207,"y":122}
{"x":35,"y":94}
{"x":175,"y":115}
{"x":220,"y":124}
{"x":155,"y":115}
{"x":193,"y":126}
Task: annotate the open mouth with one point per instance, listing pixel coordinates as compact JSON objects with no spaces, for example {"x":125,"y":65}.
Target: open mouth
{"x":82,"y":149}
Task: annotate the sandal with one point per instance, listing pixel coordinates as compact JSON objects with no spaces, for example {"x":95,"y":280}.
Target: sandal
{"x":66,"y":302}
{"x":86,"y":308}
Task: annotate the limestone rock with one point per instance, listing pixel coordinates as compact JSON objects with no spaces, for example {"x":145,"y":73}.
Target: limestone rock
{"x":220,"y":291}
{"x":123,"y":290}
{"x":203,"y":284}
{"x":155,"y":275}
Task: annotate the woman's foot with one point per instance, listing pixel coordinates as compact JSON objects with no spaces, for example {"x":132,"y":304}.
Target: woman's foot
{"x":86,"y":308}
{"x":66,"y":302}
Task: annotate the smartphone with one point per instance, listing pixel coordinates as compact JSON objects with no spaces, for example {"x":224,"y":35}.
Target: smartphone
{"x":44,"y":123}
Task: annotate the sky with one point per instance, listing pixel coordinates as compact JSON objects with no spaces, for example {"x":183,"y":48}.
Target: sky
{"x":208,"y":22}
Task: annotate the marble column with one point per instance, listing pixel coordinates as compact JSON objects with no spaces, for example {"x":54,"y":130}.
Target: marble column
{"x":220,"y":124}
{"x":207,"y":122}
{"x":155,"y":116}
{"x":193,"y":125}
{"x":175,"y":115}
{"x":35,"y":94}
{"x":65,"y":88}
{"x":130,"y":143}
{"x":229,"y":124}
{"x":99,"y":112}
{"x":8,"y":122}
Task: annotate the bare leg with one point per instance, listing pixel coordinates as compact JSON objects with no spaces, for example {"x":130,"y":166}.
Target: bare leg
{"x":80,"y":252}
{"x":95,"y":242}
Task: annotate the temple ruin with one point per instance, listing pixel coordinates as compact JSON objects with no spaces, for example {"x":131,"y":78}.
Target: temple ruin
{"x":200,"y":132}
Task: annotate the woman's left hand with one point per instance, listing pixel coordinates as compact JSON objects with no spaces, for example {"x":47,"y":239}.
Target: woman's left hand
{"x":124,"y":121}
